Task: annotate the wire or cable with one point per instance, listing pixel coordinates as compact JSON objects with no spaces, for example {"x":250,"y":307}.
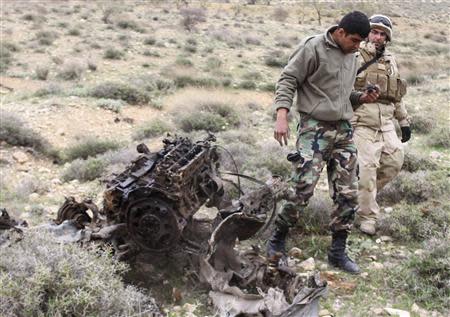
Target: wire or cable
{"x":235,"y":167}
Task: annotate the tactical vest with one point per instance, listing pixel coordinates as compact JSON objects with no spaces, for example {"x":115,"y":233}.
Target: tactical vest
{"x":383,"y":73}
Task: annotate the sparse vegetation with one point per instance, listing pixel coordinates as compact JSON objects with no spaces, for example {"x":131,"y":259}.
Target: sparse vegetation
{"x":38,"y":273}
{"x":72,"y":71}
{"x":276,"y":59}
{"x":89,"y":147}
{"x":14,"y":131}
{"x":41,"y":72}
{"x":280,"y":14}
{"x":113,"y":53}
{"x":440,"y":137}
{"x":84,"y":170}
{"x":191,"y":17}
{"x":152,"y":129}
{"x":46,"y":37}
{"x":116,"y":90}
{"x":111,"y":104}
{"x":415,"y":161}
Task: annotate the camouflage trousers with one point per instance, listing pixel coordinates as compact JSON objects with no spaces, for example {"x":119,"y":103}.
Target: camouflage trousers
{"x":320,"y":144}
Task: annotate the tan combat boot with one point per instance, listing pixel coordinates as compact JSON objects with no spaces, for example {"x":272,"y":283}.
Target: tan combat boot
{"x":368,"y":227}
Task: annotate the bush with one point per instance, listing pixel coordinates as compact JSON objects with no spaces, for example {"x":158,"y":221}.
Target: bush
{"x":5,"y":59}
{"x":116,"y":90}
{"x":280,"y":14}
{"x":209,"y":116}
{"x":422,"y":123}
{"x":183,"y":61}
{"x":111,"y":104}
{"x":46,"y":37}
{"x":415,"y":161}
{"x":51,"y":89}
{"x":14,"y":132}
{"x":315,"y":219}
{"x":41,"y":72}
{"x":276,"y":59}
{"x":415,"y":187}
{"x":150,"y":41}
{"x":151,"y":129}
{"x":112,"y":53}
{"x":247,"y":84}
{"x":128,"y":24}
{"x":252,"y":40}
{"x":426,"y":276}
{"x":89,"y":147}
{"x":74,"y":32}
{"x":92,"y":66}
{"x":416,"y":222}
{"x":84,"y":170}
{"x":72,"y":71}
{"x":191,"y":17}
{"x":440,"y":137}
{"x":41,"y":277}
{"x":182,"y":81}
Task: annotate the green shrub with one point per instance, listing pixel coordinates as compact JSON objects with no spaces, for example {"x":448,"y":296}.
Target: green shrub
{"x":52,"y":89}
{"x":191,"y":17}
{"x":182,"y":81}
{"x":72,"y":71}
{"x":202,"y":121}
{"x":89,"y":147}
{"x":113,"y":53}
{"x":422,"y":123}
{"x":415,"y":187}
{"x":415,"y":161}
{"x":183,"y":61}
{"x":267,"y":87}
{"x":5,"y":59}
{"x":440,"y":137}
{"x":315,"y":219}
{"x":111,"y":104}
{"x":116,"y":90}
{"x":14,"y":132}
{"x":426,"y":276}
{"x":276,"y":59}
{"x":416,"y":222}
{"x":84,"y":170}
{"x":74,"y":32}
{"x":41,"y":277}
{"x":151,"y":129}
{"x":271,"y":157}
{"x":41,"y":72}
{"x":247,"y":84}
{"x":128,"y":24}
{"x":150,"y":40}
{"x":46,"y":37}
{"x":213,"y":63}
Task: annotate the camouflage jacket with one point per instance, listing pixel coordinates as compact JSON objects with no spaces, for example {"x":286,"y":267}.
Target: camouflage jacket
{"x":384,"y":73}
{"x":322,"y":76}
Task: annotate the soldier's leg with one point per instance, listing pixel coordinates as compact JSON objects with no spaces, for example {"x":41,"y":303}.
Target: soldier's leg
{"x":312,"y":142}
{"x":369,"y":147}
{"x":391,"y":160}
{"x":343,"y":183}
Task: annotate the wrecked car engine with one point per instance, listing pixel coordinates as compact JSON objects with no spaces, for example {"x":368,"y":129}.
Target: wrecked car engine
{"x":149,"y":208}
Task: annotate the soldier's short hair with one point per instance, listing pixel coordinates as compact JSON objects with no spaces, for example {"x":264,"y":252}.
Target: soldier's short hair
{"x":355,"y":22}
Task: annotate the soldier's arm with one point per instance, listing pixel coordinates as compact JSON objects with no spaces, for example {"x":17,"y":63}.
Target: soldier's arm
{"x":401,"y":114}
{"x":300,"y":65}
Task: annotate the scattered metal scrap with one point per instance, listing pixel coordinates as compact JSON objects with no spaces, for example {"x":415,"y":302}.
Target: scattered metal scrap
{"x":149,"y":208}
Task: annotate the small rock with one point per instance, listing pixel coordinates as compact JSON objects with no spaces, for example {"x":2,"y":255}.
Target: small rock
{"x":61,"y":132}
{"x":378,"y":311}
{"x":364,"y":274}
{"x":56,"y":181}
{"x":308,"y":264}
{"x":378,"y":241}
{"x":33,"y":196}
{"x":386,"y":238}
{"x":20,"y":157}
{"x":324,"y":312}
{"x":419,"y":252}
{"x":388,"y":210}
{"x":177,"y":296}
{"x":397,"y":312}
{"x":435,"y":155}
{"x":295,"y":252}
{"x":376,"y":265}
{"x":373,"y":257}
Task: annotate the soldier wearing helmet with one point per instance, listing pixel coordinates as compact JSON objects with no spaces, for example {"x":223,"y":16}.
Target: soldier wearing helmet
{"x":380,"y":152}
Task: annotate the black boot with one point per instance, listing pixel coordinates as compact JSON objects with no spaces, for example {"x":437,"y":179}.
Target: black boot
{"x":337,"y":256}
{"x":277,"y":242}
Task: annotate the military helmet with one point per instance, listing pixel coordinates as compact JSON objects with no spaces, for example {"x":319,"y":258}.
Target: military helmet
{"x":382,"y":22}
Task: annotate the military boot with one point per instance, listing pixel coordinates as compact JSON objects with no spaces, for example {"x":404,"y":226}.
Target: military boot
{"x":277,"y":242}
{"x":337,"y":256}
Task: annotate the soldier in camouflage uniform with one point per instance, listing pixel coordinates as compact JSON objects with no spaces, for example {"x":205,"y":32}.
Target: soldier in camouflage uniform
{"x":322,"y":71}
{"x":380,"y":153}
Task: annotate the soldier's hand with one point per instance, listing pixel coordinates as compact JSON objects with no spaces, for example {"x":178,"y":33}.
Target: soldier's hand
{"x":406,"y":134}
{"x":281,"y":132}
{"x":370,"y":95}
